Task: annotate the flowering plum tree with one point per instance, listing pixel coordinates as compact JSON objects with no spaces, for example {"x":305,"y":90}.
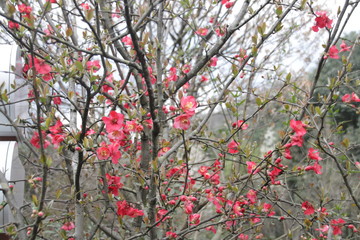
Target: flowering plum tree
{"x":146,"y":120}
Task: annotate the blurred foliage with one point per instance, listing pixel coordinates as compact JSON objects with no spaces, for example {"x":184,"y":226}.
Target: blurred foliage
{"x":343,"y":115}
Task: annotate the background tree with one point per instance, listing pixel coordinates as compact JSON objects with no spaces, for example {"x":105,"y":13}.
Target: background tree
{"x":121,"y":141}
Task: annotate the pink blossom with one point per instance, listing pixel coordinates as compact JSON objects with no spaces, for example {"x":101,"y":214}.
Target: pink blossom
{"x":316,"y":168}
{"x":188,"y":207}
{"x":314,"y":154}
{"x":170,"y":235}
{"x":213,"y":62}
{"x":347,"y":98}
{"x":251,"y":167}
{"x":202,"y":31}
{"x":182,"y":121}
{"x":115,"y":121}
{"x":251,"y":195}
{"x":103,"y":152}
{"x":211,"y":228}
{"x":85,"y":6}
{"x":13,"y":25}
{"x":344,"y":47}
{"x":333,"y":53}
{"x":127,"y":41}
{"x":298,"y":127}
{"x":114,"y":184}
{"x":337,"y":225}
{"x":240,"y":123}
{"x":125,"y":209}
{"x":57,"y":100}
{"x":233,"y":147}
{"x":238,"y":209}
{"x":188,"y":104}
{"x":243,"y":237}
{"x":40,"y":65}
{"x":35,"y":140}
{"x":308,"y":208}
{"x":204,"y":79}
{"x":322,"y":21}
{"x":68,"y":226}
{"x":194,"y":219}
{"x":287,"y":153}
{"x":93,"y":65}
{"x":23,"y":8}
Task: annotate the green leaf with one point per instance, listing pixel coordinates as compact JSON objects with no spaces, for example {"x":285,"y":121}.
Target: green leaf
{"x":58,"y":193}
{"x":234,"y":70}
{"x":79,"y":66}
{"x":4,"y":97}
{"x":258,"y":101}
{"x":35,"y":200}
{"x":278,"y":10}
{"x":302,"y":5}
{"x":288,"y":77}
{"x":89,"y":14}
{"x":254,"y":39}
{"x":345,"y":142}
{"x":254,"y":50}
{"x":69,"y":32}
{"x":10,"y":9}
{"x":48,"y":161}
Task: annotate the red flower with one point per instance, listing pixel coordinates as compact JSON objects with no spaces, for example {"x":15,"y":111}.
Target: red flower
{"x":188,"y":104}
{"x":115,"y":154}
{"x":56,"y":139}
{"x":233,"y":147}
{"x":93,"y":65}
{"x":13,"y":25}
{"x":251,"y":195}
{"x":251,"y":167}
{"x":316,"y":168}
{"x":194,"y":219}
{"x":287,"y":153}
{"x":240,"y":123}
{"x":124,"y":209}
{"x":57,"y":100}
{"x":23,"y":8}
{"x":314,"y":154}
{"x":35,"y":140}
{"x":202,"y":31}
{"x":322,"y":21}
{"x":170,"y":235}
{"x":337,"y":225}
{"x":298,"y":127}
{"x":227,"y":3}
{"x":188,"y":207}
{"x":308,"y":208}
{"x":213,"y":62}
{"x":211,"y":228}
{"x":115,"y":121}
{"x":333,"y":53}
{"x":127,"y":41}
{"x":133,"y":126}
{"x":40,"y":66}
{"x":103,"y":152}
{"x":182,"y":121}
{"x":344,"y":47}
{"x":114,"y":184}
{"x":57,"y":128}
{"x":85,"y":6}
{"x":238,"y":209}
{"x":347,"y":98}
{"x":68,"y":226}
